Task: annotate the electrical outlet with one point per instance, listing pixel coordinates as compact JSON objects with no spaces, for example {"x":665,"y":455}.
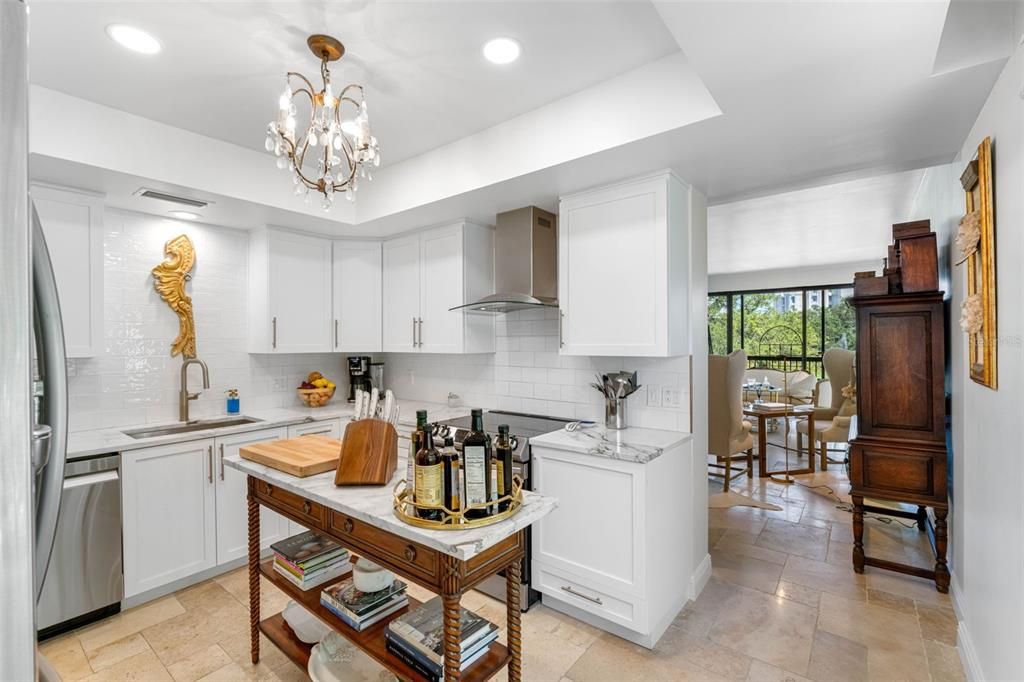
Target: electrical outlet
{"x":278,"y":384}
{"x":653,"y":395}
{"x":670,"y":396}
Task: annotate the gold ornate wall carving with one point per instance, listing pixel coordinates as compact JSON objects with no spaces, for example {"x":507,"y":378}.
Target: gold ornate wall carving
{"x":169,"y":280}
{"x":977,"y":242}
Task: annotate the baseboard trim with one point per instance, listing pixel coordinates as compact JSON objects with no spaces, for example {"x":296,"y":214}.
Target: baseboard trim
{"x":700,"y":577}
{"x":964,"y":643}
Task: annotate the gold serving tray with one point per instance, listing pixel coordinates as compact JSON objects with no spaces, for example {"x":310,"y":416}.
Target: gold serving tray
{"x":405,"y":509}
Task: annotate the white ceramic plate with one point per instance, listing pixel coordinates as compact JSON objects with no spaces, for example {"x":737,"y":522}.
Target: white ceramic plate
{"x":351,"y":665}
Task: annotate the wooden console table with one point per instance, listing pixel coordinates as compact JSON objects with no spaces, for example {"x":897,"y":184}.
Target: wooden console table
{"x":361,"y":519}
{"x":776,"y":411}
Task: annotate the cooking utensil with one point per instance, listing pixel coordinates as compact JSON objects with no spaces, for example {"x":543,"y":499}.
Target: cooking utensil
{"x":371,"y":412}
{"x":389,"y":406}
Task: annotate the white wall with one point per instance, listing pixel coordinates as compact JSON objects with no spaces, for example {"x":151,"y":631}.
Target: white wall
{"x":136,"y":380}
{"x":988,"y":572}
{"x":780,"y":278}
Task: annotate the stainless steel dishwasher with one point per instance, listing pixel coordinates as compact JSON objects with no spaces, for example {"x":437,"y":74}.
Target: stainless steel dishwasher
{"x":85,"y":580}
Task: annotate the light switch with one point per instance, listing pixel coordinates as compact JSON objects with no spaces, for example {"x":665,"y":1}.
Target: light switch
{"x":653,"y":395}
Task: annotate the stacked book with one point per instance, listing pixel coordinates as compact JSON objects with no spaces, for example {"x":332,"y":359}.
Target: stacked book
{"x":417,"y":638}
{"x":361,"y":609}
{"x":309,"y":559}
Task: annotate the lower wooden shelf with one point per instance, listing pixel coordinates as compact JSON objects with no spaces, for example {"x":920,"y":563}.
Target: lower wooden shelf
{"x":371,"y":641}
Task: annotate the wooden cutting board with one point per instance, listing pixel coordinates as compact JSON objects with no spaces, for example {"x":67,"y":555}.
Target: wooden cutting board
{"x":302,"y":456}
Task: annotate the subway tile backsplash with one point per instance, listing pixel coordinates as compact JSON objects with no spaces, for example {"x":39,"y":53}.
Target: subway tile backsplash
{"x":135,"y":380}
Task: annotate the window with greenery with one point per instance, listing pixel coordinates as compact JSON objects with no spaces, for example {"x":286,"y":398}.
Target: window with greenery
{"x":786,"y":329}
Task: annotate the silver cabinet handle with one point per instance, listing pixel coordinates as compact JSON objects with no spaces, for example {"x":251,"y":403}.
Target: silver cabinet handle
{"x":414,"y":332}
{"x":419,"y":320}
{"x":596,"y":600}
{"x":222,"y":461}
{"x":561,"y":338}
{"x":209,"y":460}
{"x":335,"y":333}
{"x":273,"y":341}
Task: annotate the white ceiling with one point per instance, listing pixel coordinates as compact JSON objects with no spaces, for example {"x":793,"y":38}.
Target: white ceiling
{"x":223,"y":63}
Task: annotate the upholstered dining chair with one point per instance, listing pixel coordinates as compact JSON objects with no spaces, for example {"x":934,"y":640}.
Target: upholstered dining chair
{"x":831,"y":422}
{"x":729,"y":436}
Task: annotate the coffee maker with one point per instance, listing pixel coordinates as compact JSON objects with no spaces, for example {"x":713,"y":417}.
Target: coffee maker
{"x":358,"y":375}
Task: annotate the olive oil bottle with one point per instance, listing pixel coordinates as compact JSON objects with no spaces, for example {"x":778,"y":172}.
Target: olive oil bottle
{"x":503,"y":465}
{"x":452,"y":478}
{"x":415,"y":442}
{"x":429,"y":477}
{"x":476,"y":466}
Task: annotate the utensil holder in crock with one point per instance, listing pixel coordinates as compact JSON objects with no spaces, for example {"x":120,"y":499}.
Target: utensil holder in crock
{"x":615,"y":413}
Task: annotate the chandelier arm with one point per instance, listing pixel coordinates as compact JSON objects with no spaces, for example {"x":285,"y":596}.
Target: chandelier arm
{"x":349,"y":87}
{"x":349,"y":100}
{"x":303,"y":79}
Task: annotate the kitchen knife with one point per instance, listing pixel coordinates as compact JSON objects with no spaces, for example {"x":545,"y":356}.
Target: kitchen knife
{"x":389,"y":406}
{"x":371,"y":412}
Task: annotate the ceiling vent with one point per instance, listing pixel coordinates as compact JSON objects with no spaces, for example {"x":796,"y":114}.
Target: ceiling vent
{"x":164,"y":196}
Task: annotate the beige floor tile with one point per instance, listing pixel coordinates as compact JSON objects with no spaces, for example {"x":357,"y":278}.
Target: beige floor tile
{"x":798,"y":593}
{"x":694,"y":621}
{"x":736,"y":518}
{"x":734,"y":567}
{"x":611,"y":659}
{"x":743,"y":544}
{"x":239,"y":649}
{"x":937,"y":623}
{"x":66,"y":655}
{"x":765,"y":672}
{"x":825,"y":577}
{"x":837,"y":659}
{"x":840,"y":554}
{"x":144,"y":667}
{"x":115,"y":652}
{"x":232,"y":672}
{"x":842,"y":532}
{"x":775,"y":630}
{"x":545,"y":620}
{"x":943,"y":662}
{"x":178,"y":638}
{"x":891,"y":601}
{"x":293,"y":673}
{"x":199,"y":664}
{"x":236,"y":582}
{"x":703,"y":652}
{"x":918,"y":589}
{"x":129,"y":622}
{"x":794,"y":538}
{"x":545,"y":657}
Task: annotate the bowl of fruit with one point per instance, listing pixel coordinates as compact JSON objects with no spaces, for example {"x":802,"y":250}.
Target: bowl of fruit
{"x":316,"y":390}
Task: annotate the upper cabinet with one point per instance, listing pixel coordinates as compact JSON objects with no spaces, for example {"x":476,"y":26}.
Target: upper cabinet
{"x":428,"y":273}
{"x":72,"y":223}
{"x":289,"y":293}
{"x":624,"y":268}
{"x":357,"y":297}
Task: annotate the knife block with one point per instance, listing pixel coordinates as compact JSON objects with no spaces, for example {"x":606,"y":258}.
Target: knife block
{"x":369,"y":453}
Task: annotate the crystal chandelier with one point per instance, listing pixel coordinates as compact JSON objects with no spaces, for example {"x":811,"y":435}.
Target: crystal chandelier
{"x":341,"y":151}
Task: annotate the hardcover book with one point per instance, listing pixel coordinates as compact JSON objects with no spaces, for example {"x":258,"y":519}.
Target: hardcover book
{"x":302,"y":548}
{"x":423,"y":629}
{"x":396,"y":604}
{"x":317,"y":580}
{"x":347,"y":597}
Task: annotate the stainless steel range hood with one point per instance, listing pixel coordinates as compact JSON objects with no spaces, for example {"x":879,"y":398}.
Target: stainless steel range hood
{"x":525,"y":263}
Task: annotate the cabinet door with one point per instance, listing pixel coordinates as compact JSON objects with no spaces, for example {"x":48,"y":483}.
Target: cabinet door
{"x":169,"y":515}
{"x":232,"y":510}
{"x":328,"y":427}
{"x":597,"y":532}
{"x":72,"y":223}
{"x":300,"y":293}
{"x":401,"y":293}
{"x":612,"y":266}
{"x":441,"y":288}
{"x":357,"y":285}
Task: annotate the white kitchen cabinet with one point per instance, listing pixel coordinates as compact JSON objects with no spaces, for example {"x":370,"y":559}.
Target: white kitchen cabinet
{"x":357,"y":282}
{"x":624,"y":268}
{"x":428,"y":273}
{"x":72,"y":223}
{"x":617,"y":552}
{"x":232,"y":511}
{"x":289,"y":293}
{"x":326,"y":427}
{"x":169,"y":514}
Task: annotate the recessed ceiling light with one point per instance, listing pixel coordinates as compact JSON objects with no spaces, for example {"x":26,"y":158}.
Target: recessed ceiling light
{"x":501,"y":50}
{"x":185,"y":215}
{"x":134,"y":39}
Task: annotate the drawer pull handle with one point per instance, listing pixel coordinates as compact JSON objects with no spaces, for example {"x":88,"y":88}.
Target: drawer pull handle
{"x":410,"y":553}
{"x":596,"y":600}
{"x":307,"y":508}
{"x":348,"y":525}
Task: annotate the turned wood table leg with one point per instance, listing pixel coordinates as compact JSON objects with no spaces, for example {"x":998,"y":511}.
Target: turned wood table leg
{"x":254,"y":574}
{"x":451,"y":595}
{"x":858,"y":534}
{"x":513,"y":579}
{"x":941,"y":569}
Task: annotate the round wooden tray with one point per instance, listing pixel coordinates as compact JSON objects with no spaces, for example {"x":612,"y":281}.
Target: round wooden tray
{"x":405,"y":509}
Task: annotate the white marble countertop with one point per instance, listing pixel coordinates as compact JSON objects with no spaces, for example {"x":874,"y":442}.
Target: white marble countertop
{"x":633,"y":444}
{"x":101,"y":441}
{"x":373,"y":505}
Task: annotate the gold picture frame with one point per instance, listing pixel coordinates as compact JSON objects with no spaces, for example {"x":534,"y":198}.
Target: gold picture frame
{"x":981,"y":265}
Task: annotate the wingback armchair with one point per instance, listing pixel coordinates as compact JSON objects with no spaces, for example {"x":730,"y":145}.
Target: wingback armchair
{"x":729,"y":436}
{"x":831,"y":423}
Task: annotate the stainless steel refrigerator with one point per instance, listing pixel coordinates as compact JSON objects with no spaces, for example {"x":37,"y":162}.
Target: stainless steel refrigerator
{"x":33,"y":379}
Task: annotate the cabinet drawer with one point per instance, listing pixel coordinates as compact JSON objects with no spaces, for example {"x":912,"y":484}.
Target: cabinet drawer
{"x":576,"y":592}
{"x":400,"y":552}
{"x":310,"y":512}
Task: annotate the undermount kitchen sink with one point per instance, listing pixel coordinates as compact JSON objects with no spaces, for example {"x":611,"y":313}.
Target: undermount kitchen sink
{"x":200,"y":425}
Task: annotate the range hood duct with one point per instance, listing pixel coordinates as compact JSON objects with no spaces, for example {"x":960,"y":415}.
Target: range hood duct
{"x":525,"y":263}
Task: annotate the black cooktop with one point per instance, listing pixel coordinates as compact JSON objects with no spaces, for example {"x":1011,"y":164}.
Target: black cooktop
{"x":519,"y":424}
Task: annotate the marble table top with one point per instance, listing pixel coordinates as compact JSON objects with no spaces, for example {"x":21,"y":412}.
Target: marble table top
{"x":633,"y":444}
{"x":373,"y":505}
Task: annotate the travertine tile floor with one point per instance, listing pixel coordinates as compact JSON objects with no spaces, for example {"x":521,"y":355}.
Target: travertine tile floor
{"x":783,"y":605}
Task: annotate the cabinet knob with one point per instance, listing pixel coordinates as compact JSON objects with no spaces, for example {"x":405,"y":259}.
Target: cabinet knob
{"x":410,"y":553}
{"x":348,"y":525}
{"x":307,"y":508}
{"x":267,"y":488}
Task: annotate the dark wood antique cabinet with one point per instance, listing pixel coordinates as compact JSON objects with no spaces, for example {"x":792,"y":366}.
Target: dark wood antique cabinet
{"x":899,"y":452}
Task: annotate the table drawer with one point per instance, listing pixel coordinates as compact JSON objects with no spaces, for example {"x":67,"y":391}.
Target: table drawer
{"x":308,"y":511}
{"x":400,"y":552}
{"x":627,"y":612}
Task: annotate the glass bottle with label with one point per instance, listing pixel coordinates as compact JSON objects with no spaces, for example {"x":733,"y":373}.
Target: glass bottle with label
{"x":503,"y":465}
{"x":452,"y":479}
{"x":429,"y":477}
{"x":476,"y":467}
{"x":415,"y":443}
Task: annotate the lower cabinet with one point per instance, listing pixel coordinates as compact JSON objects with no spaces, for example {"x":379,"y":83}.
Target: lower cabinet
{"x":328,"y":427}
